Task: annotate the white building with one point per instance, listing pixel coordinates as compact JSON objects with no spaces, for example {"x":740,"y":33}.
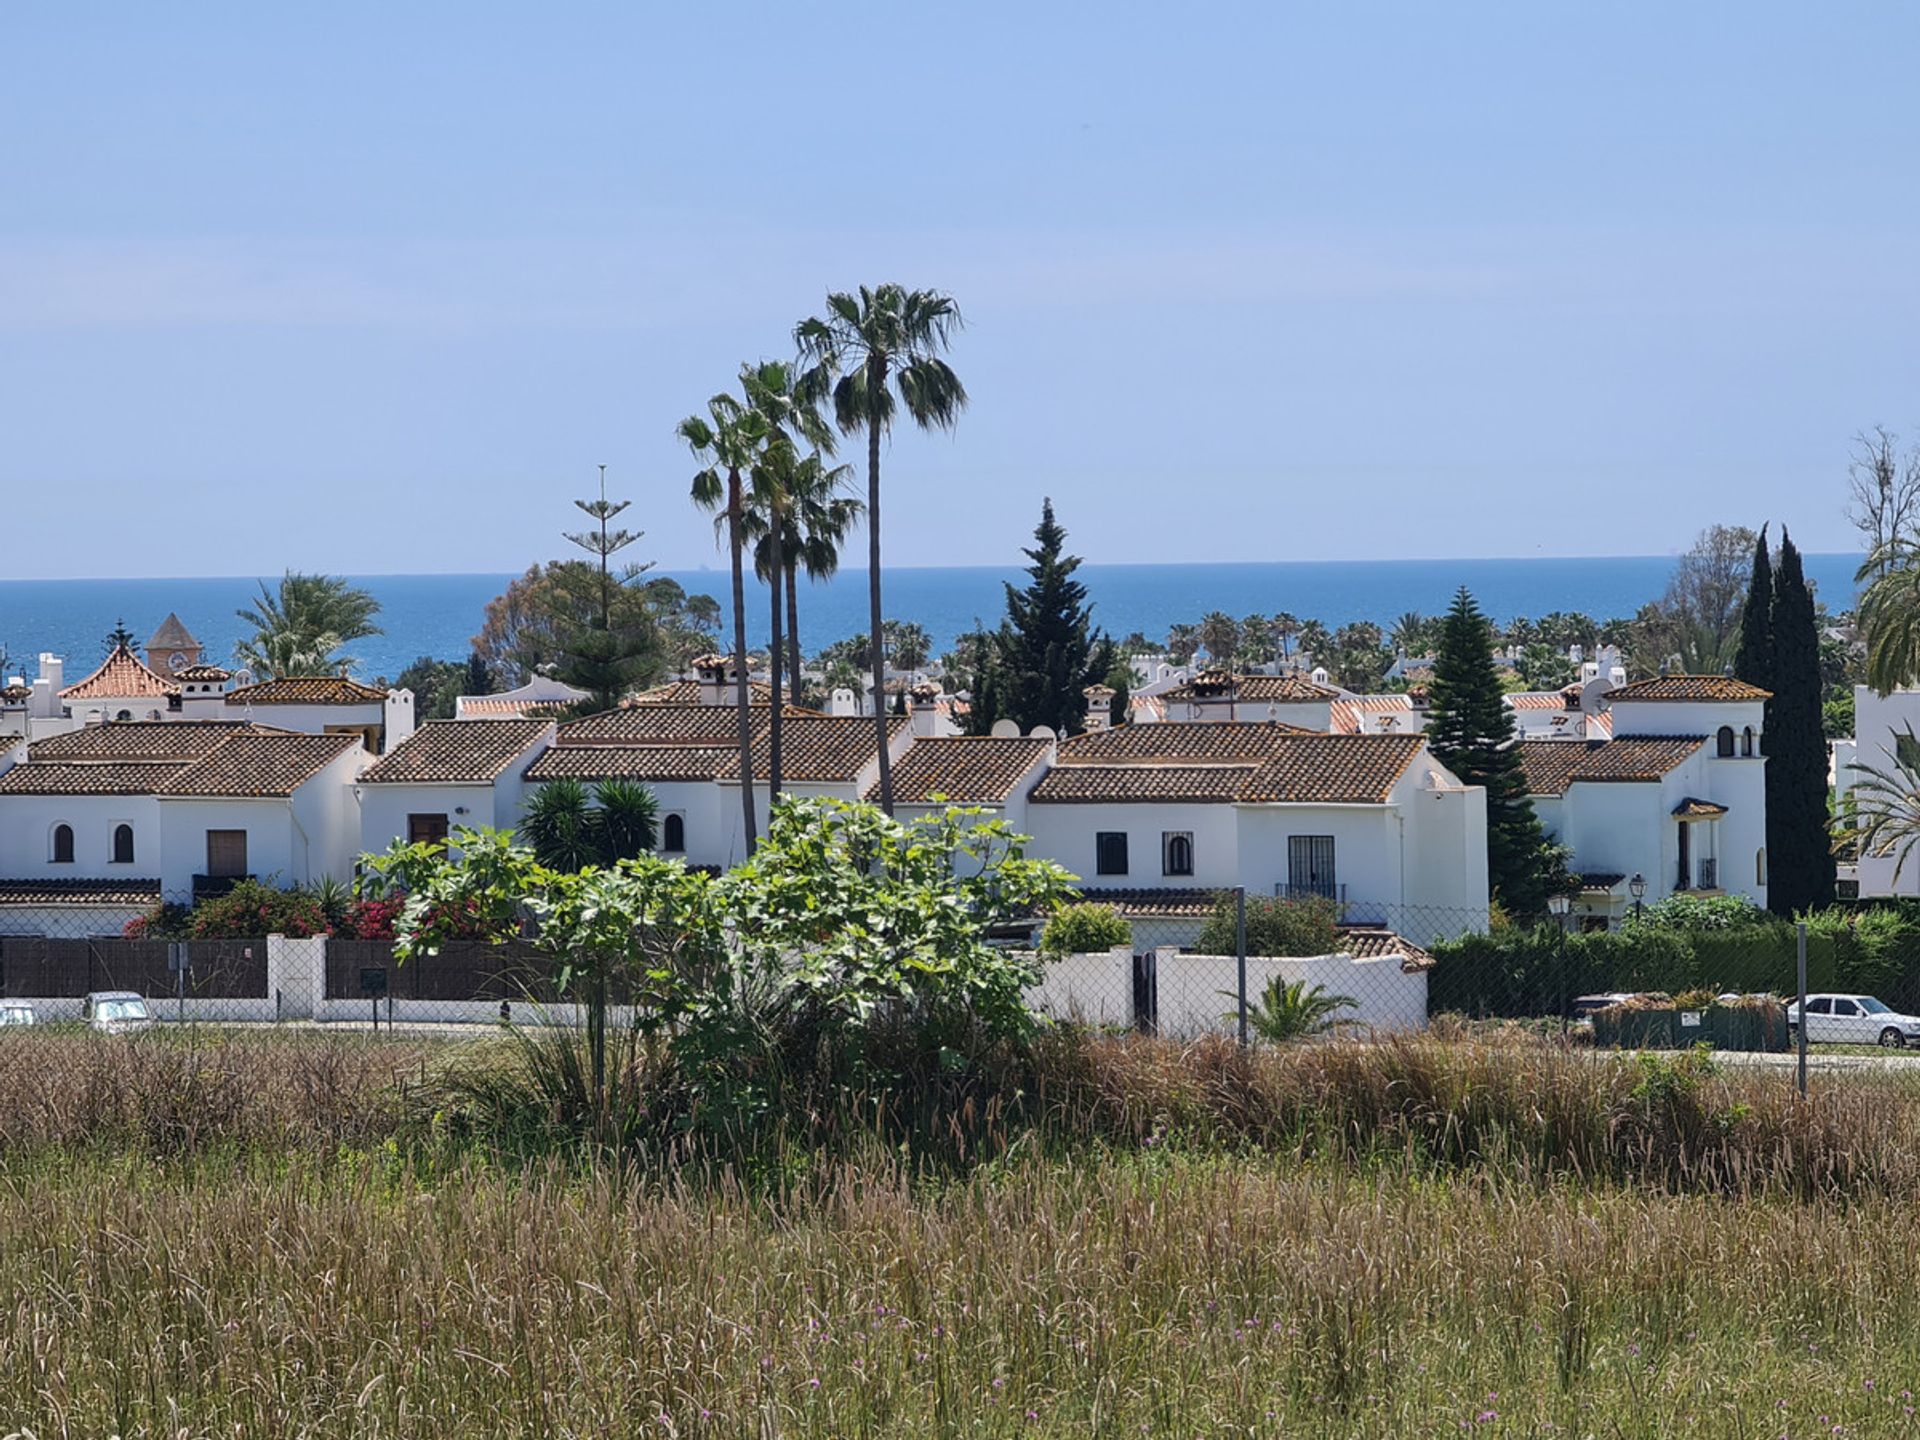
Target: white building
{"x":447,"y":775}
{"x":314,"y":704}
{"x":180,"y":807}
{"x":1677,"y":796}
{"x":1372,"y":822}
{"x":540,"y":697}
{"x":1877,"y":721}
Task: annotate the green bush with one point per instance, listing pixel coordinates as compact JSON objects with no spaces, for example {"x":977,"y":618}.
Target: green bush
{"x":1275,"y":926}
{"x":1085,"y":928}
{"x":1701,"y":912}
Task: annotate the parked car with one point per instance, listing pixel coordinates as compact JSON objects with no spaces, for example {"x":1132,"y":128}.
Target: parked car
{"x":1854,"y":1020}
{"x":1583,"y":1006}
{"x":13,"y":1012}
{"x":116,"y":1012}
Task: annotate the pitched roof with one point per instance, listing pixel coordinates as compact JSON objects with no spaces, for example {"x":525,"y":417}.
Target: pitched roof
{"x":1535,"y":700}
{"x":1552,"y":765}
{"x":1156,"y":902}
{"x":500,"y":707}
{"x":455,"y":751}
{"x":1251,"y":689}
{"x":1688,"y":687}
{"x":688,"y":692}
{"x":179,"y":740}
{"x":117,"y":893}
{"x":700,"y":742}
{"x":307,"y":690}
{"x":123,"y":674}
{"x":240,"y":761}
{"x":967,"y":770}
{"x":203,"y":673}
{"x":824,"y":748}
{"x":256,"y":765}
{"x":172,"y":635}
{"x":1696,"y":809}
{"x":650,"y":724}
{"x":1247,"y":764}
{"x":1345,"y":715}
{"x":653,"y":763}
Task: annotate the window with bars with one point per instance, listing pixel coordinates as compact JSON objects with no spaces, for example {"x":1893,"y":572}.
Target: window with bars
{"x":1310,"y":865}
{"x":1176,"y":852}
{"x":1110,"y":852}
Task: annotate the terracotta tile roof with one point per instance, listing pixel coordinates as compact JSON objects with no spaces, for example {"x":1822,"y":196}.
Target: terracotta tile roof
{"x":496,"y":707}
{"x":455,"y":751}
{"x":1695,"y":809}
{"x":1536,"y":700}
{"x":1156,"y":903}
{"x":825,"y":748}
{"x":1689,"y":687}
{"x":117,"y":893}
{"x":307,"y":690}
{"x":1599,"y":882}
{"x":15,"y":694}
{"x":178,"y":740}
{"x":965,"y":770}
{"x":123,"y":675}
{"x":1151,"y":706}
{"x":261,"y":766}
{"x":1209,"y":687}
{"x":1248,"y":764}
{"x":113,"y":777}
{"x":687,"y":692}
{"x":172,"y":635}
{"x":203,"y":673}
{"x":1552,"y":765}
{"x":1367,"y":942}
{"x":634,"y":762}
{"x":651,"y":724}
{"x":1344,"y":717}
{"x":1178,"y":740}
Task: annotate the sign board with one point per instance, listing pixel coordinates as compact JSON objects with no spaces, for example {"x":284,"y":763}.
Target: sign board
{"x":177,"y":956}
{"x":373,"y":980}
{"x":1689,"y":1019}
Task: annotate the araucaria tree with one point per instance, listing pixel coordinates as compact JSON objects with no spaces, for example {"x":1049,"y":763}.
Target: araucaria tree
{"x":1047,"y":652}
{"x":1471,"y":733}
{"x":599,"y":657}
{"x":1800,"y":869}
{"x":863,"y":350}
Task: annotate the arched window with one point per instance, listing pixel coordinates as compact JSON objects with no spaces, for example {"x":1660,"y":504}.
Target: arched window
{"x":673,"y":833}
{"x":1176,"y":853}
{"x":123,"y":844}
{"x":63,"y":844}
{"x":124,"y":715}
{"x":1760,"y":866}
{"x":1725,"y":741}
{"x":1746,"y":741}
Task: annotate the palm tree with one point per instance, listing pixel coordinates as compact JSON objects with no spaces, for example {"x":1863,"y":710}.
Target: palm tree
{"x":909,"y":642}
{"x":1293,"y":1012}
{"x":867,"y":347}
{"x":1889,"y":618}
{"x":1315,"y":640}
{"x":815,"y":519}
{"x":730,"y":438}
{"x":1885,"y":803}
{"x":1409,"y":633}
{"x":1220,"y":634}
{"x":1285,"y":627}
{"x":1182,"y":641}
{"x":300,"y":624}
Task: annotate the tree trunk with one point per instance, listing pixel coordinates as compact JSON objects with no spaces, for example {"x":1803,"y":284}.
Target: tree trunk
{"x":774,"y":550}
{"x":877,"y":375}
{"x":737,"y":546}
{"x":793,"y":626}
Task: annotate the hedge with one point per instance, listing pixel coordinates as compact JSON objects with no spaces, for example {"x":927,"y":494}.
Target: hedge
{"x":1520,"y":973}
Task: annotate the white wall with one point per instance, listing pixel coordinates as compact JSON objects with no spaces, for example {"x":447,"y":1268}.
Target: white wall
{"x":26,"y":836}
{"x":1065,"y":833}
{"x":67,"y":922}
{"x":1096,"y":988}
{"x":384,"y":809}
{"x":1197,"y":994}
{"x":1876,"y":720}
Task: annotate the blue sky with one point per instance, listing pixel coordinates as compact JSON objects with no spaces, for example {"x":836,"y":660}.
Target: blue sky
{"x":373,"y":288}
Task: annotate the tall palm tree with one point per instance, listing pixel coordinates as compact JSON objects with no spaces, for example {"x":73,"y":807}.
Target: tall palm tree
{"x":1889,"y":617}
{"x":816,"y":517}
{"x":729,"y":439}
{"x":1409,"y":633}
{"x":862,"y":351}
{"x":1885,"y":803}
{"x":1220,"y":634}
{"x":300,"y":624}
{"x":1285,"y":627}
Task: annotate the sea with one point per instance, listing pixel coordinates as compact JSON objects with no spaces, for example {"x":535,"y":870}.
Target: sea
{"x":437,"y":615}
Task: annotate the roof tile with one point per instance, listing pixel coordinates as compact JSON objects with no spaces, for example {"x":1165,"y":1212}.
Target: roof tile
{"x":455,"y":751}
{"x":1688,"y":687}
{"x":1552,"y":765}
{"x":123,"y":676}
{"x":307,"y":690}
{"x":965,"y":770}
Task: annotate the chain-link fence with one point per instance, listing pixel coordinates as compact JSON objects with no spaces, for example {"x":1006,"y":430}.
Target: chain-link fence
{"x":1262,"y":968}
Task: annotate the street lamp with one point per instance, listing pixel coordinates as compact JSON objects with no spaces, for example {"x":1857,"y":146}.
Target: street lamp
{"x":1560,"y":905}
{"x":1637,"y":887}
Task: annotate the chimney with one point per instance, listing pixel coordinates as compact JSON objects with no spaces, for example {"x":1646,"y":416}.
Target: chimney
{"x":46,"y":690}
{"x":1099,"y":707}
{"x":924,"y":700}
{"x":711,"y":671}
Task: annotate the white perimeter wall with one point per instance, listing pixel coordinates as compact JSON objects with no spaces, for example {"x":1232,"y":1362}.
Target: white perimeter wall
{"x":1198,"y":993}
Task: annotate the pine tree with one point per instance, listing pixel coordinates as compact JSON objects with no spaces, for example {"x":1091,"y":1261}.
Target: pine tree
{"x":1471,"y":733}
{"x":1047,"y":649}
{"x":479,"y":679}
{"x":1753,"y":661}
{"x":1800,"y":871}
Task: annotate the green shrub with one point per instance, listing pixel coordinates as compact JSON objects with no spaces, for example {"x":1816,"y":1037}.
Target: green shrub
{"x":1275,"y":926}
{"x":1085,"y":928}
{"x":251,"y":909}
{"x":1700,"y":912}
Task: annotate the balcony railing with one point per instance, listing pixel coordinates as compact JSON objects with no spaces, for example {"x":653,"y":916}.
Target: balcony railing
{"x":1311,"y":890}
{"x":1710,"y":874}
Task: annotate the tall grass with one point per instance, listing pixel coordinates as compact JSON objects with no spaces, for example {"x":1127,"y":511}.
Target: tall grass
{"x":1130,"y":1294}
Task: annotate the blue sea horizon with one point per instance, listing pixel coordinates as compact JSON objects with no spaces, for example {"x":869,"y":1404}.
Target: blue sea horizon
{"x":438,"y":615}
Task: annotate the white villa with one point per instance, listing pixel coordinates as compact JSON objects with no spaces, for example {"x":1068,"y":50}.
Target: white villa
{"x":1877,"y":721}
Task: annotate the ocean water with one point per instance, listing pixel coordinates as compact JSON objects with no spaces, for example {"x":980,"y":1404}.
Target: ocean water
{"x":438,"y":614}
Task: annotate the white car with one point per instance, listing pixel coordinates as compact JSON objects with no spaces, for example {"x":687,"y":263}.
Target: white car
{"x":116,"y":1012}
{"x":13,"y":1012}
{"x":1855,"y":1020}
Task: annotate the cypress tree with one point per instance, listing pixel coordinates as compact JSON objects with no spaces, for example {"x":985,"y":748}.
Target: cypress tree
{"x":1800,"y":870}
{"x":1471,"y":733}
{"x":1048,"y":650}
{"x":1120,"y":677}
{"x":1753,"y":660}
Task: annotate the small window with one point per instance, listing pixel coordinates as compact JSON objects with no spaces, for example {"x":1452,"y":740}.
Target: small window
{"x":124,"y":715}
{"x":1110,"y":852}
{"x":673,"y":834}
{"x":63,"y":845}
{"x":123,"y":844}
{"x":426,"y":829}
{"x":1822,"y":1006}
{"x":1176,"y":852}
{"x":1746,"y":742}
{"x":1724,"y":741}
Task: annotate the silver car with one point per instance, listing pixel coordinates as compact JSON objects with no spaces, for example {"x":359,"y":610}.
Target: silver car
{"x":1855,"y":1020}
{"x":116,"y":1012}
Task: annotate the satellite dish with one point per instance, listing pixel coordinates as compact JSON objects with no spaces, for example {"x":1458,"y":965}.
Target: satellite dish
{"x":1042,"y":732}
{"x":1005,"y":730}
